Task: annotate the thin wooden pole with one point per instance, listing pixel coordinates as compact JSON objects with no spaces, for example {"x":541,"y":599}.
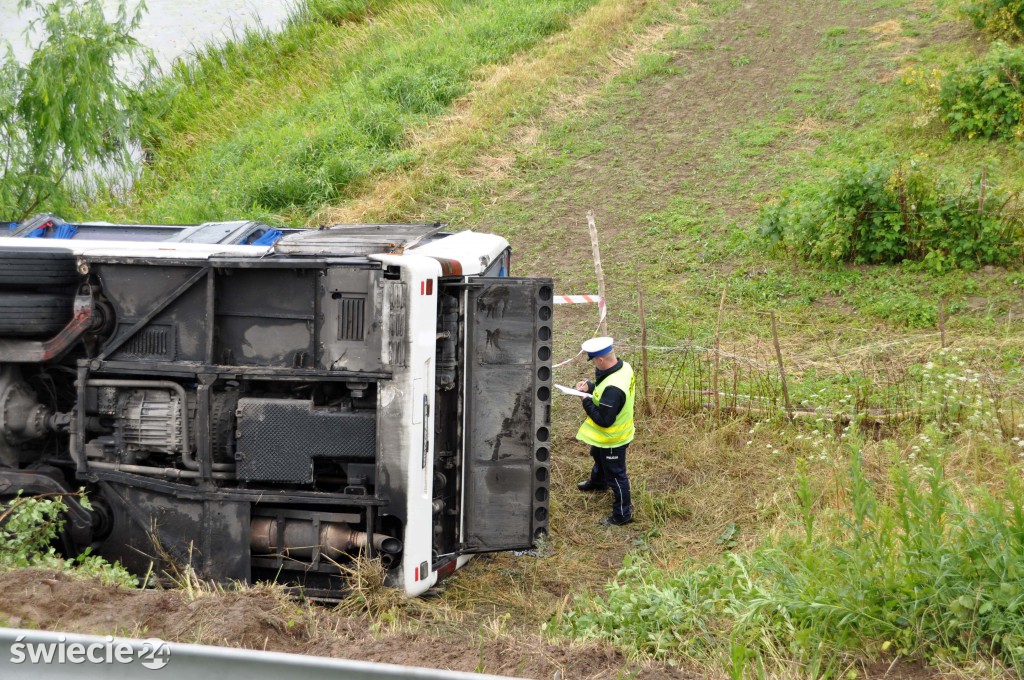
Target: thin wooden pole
{"x":735,"y":386}
{"x":782,"y":370}
{"x":643,"y":340}
{"x":942,"y":322}
{"x":596,"y":249}
{"x":718,"y":344}
{"x":981,"y":191}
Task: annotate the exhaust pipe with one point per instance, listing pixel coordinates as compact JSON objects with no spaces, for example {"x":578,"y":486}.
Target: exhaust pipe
{"x":299,"y":539}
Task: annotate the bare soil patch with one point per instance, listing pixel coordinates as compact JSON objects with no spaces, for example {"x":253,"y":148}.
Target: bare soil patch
{"x":262,"y":618}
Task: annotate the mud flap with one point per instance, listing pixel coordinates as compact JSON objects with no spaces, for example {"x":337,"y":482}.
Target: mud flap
{"x":507,"y":451}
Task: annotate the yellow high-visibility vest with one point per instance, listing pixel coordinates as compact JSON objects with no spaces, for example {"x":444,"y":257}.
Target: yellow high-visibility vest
{"x":620,"y":432}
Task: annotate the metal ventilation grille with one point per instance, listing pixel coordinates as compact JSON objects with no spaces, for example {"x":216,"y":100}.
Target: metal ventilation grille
{"x":351,"y":316}
{"x":151,"y":342}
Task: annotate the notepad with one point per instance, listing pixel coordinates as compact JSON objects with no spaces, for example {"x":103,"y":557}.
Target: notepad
{"x":575,"y":393}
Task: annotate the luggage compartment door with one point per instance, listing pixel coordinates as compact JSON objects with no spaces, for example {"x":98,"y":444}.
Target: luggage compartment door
{"x":507,"y":431}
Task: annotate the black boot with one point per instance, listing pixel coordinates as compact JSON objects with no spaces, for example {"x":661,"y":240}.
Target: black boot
{"x":588,"y":485}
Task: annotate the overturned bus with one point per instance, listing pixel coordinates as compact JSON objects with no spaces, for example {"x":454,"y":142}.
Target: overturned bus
{"x":265,"y":404}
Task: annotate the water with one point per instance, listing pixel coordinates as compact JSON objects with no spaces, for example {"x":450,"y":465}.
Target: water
{"x":171,"y":28}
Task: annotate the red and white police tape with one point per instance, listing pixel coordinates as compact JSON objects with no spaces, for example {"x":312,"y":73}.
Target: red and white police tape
{"x":580,"y":300}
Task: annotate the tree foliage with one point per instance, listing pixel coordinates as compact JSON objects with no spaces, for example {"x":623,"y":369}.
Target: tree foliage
{"x":67,"y":113}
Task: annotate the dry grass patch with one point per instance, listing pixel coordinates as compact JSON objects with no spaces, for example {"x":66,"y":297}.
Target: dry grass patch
{"x":887,"y":29}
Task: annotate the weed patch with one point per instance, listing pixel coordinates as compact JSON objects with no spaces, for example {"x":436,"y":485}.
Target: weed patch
{"x":1003,"y":19}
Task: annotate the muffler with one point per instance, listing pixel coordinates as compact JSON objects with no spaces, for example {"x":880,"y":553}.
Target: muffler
{"x":299,"y":540}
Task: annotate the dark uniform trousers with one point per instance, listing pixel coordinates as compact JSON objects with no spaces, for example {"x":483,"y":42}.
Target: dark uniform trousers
{"x":609,"y":472}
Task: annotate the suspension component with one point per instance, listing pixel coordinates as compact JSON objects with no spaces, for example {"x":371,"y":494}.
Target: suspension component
{"x":22,"y":417}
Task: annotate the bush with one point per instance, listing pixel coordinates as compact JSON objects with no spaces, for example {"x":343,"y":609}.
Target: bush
{"x":29,"y":527}
{"x":984,"y":97}
{"x":1002,"y":19}
{"x":919,"y":572}
{"x":888,"y":211}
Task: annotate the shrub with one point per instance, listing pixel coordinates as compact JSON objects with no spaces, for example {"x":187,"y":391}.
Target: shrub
{"x":984,"y":97}
{"x":888,"y":211}
{"x":919,"y":572}
{"x":1002,"y":19}
{"x":29,"y":527}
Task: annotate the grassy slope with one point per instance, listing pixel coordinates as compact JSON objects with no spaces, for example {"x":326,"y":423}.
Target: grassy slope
{"x":674,"y":123}
{"x":305,"y":118}
{"x":675,"y":157}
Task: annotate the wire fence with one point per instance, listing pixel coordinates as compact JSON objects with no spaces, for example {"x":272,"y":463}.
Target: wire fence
{"x":890,"y":381}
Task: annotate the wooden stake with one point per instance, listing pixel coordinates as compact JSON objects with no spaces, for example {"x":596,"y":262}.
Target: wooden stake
{"x":643,"y":340}
{"x":596,"y":249}
{"x":981,"y":191}
{"x":718,"y":332}
{"x":735,"y":386}
{"x":942,"y":322}
{"x":782,"y":370}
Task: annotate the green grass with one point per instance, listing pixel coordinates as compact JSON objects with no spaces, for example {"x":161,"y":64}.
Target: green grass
{"x":340,"y":113}
{"x":835,"y":110}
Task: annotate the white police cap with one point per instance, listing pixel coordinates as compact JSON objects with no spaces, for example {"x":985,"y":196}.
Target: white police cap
{"x":597,"y":347}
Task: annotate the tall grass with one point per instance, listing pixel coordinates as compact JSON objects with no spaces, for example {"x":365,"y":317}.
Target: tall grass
{"x":924,"y":571}
{"x":395,"y":72}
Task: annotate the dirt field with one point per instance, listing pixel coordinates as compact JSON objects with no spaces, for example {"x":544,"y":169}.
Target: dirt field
{"x":265,"y":620}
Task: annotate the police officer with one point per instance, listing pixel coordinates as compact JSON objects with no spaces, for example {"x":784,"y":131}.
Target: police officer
{"x":609,"y":426}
